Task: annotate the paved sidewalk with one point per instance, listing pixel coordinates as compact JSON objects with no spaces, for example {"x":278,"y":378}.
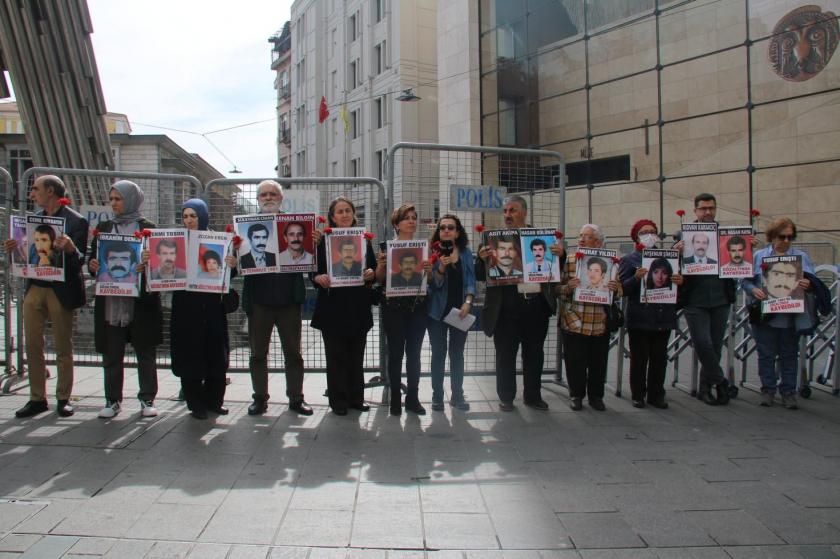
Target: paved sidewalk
{"x":692,"y":481}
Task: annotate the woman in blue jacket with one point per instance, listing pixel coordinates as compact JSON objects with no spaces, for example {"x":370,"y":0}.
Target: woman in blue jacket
{"x":452,"y":285}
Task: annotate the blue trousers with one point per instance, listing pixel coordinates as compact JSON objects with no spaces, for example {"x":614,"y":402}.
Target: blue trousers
{"x":772,"y":343}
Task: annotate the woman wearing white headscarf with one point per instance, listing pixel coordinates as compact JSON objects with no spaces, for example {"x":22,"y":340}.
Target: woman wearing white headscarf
{"x":122,"y":320}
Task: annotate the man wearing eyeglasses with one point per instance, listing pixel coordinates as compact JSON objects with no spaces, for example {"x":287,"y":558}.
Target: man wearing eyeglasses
{"x":706,"y":301}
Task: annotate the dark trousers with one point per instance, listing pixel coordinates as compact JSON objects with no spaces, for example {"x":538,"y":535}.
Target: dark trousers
{"x":404,"y":330}
{"x":708,"y":328}
{"x":438,"y":333}
{"x":529,"y":329}
{"x":586,"y":364}
{"x":261,"y":323}
{"x":345,"y":355}
{"x":648,"y":361}
{"x":770,"y":343}
{"x":203,"y":393}
{"x":112,"y":362}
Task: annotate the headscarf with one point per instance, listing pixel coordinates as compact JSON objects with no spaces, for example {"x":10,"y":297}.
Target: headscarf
{"x":199,"y":206}
{"x":132,"y":200}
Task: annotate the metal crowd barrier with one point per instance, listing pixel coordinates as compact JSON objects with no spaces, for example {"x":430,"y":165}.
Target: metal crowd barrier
{"x":7,"y":184}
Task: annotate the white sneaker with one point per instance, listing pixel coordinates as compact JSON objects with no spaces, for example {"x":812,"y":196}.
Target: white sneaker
{"x":147,"y":408}
{"x":110,"y":410}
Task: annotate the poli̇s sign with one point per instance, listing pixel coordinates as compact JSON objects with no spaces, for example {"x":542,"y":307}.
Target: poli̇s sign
{"x":476,"y":198}
{"x":94,"y":215}
{"x":301,"y":201}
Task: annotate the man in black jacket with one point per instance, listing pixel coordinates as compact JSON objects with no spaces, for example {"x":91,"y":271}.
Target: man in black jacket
{"x":53,"y":301}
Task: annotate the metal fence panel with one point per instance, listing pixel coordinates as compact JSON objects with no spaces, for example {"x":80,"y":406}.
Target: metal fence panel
{"x":7,"y":186}
{"x":423,"y":175}
{"x":164,"y":194}
{"x":229,"y":197}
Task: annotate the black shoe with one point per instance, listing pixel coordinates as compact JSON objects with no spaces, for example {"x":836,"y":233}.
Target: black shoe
{"x":340,"y":410}
{"x":301,"y":408}
{"x":506,"y":406}
{"x":576,"y":404}
{"x":659,"y":404}
{"x":415,"y":407}
{"x":638,"y":404}
{"x":396,"y":409}
{"x":64,"y":409}
{"x":221,"y":410}
{"x":360,"y":407}
{"x":597,"y":405}
{"x":199,"y":414}
{"x":705,"y":396}
{"x":32,"y":408}
{"x":258,"y":407}
{"x":722,"y":391}
{"x":537,"y":404}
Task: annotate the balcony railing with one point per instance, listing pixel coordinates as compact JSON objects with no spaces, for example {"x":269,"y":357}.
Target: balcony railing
{"x":284,"y":91}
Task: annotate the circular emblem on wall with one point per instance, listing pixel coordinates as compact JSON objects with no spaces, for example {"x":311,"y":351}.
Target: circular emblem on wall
{"x":803,"y":42}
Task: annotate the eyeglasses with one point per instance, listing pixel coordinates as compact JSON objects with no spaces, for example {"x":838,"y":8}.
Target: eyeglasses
{"x":706,"y":208}
{"x":786,"y":237}
{"x":447,"y":227}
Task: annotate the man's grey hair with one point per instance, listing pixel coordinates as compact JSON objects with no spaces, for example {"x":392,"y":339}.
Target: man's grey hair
{"x":596,"y":229}
{"x":270,"y":182}
{"x":519,"y":200}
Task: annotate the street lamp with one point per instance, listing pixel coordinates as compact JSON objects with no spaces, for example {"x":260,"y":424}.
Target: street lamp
{"x":408,"y":95}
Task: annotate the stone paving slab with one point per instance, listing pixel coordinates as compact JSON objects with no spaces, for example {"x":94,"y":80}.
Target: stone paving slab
{"x":691,"y":481}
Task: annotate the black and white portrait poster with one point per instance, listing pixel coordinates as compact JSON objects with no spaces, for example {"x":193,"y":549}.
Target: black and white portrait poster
{"x":167,"y":260}
{"x":118,"y":257}
{"x":297,"y":249}
{"x":17,"y":258}
{"x":206,"y":268}
{"x":258,"y":251}
{"x":46,"y":262}
{"x":658,"y":285}
{"x":539,"y":264}
{"x":346,"y":248}
{"x":504,"y":264}
{"x":699,"y":256}
{"x":780,"y":282}
{"x":735,"y":249}
{"x":595,"y":267}
{"x":405,"y":276}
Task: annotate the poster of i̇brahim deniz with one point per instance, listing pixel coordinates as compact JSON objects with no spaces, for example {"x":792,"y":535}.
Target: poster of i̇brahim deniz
{"x":118,"y":256}
{"x":46,"y":262}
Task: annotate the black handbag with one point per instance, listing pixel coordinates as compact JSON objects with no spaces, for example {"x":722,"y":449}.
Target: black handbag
{"x":230,"y":301}
{"x":615,"y":317}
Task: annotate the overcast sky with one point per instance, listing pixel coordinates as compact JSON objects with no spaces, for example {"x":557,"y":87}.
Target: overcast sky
{"x":197,"y":65}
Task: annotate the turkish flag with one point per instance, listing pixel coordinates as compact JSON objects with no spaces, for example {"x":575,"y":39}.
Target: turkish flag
{"x":323,"y":111}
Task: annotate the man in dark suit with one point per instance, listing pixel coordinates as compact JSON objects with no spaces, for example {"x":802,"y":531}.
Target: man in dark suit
{"x":514,"y":315}
{"x":258,"y":257}
{"x":53,"y":301}
{"x":700,"y":250}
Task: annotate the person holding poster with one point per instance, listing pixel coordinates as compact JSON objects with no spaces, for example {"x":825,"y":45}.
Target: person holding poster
{"x":515,"y":315}
{"x":706,"y":300}
{"x":198,"y":337}
{"x":649,"y":325}
{"x":273,"y":300}
{"x":586,"y":339}
{"x":776,"y":334}
{"x":404,"y":317}
{"x":343,"y":315}
{"x":122,"y":320}
{"x":53,"y":301}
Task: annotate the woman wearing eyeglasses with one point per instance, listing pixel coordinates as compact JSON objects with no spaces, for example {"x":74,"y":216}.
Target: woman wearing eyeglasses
{"x":776,"y":335}
{"x":452,"y":285}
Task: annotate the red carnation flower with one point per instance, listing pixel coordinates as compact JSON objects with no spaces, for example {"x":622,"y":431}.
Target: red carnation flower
{"x":616,"y":259}
{"x":433,"y":258}
{"x":64,"y":201}
{"x":321,"y":219}
{"x":327,"y":230}
{"x":237,"y":240}
{"x":558,"y":234}
{"x":229,"y":228}
{"x":640,"y":247}
{"x":579,"y":255}
{"x":435,"y":246}
{"x":680,"y":213}
{"x":479,"y":228}
{"x":764,"y":266}
{"x":369,"y":236}
{"x":138,"y":235}
{"x":146,"y":233}
{"x":95,"y":232}
{"x":754,"y":212}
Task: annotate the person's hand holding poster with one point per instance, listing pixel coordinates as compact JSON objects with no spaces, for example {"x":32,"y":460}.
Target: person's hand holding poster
{"x":405,"y":276}
{"x":736,"y":254}
{"x":258,"y":251}
{"x":780,"y":276}
{"x":658,"y":285}
{"x":539,"y":264}
{"x":168,"y":260}
{"x":46,"y":262}
{"x":118,"y":257}
{"x":17,"y":258}
{"x":297,"y":248}
{"x":504,"y":264}
{"x":594,"y":268}
{"x":700,"y":249}
{"x":346,"y":249}
{"x":206,"y":267}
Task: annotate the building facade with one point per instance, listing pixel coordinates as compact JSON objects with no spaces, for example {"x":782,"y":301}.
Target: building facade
{"x":281,"y":59}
